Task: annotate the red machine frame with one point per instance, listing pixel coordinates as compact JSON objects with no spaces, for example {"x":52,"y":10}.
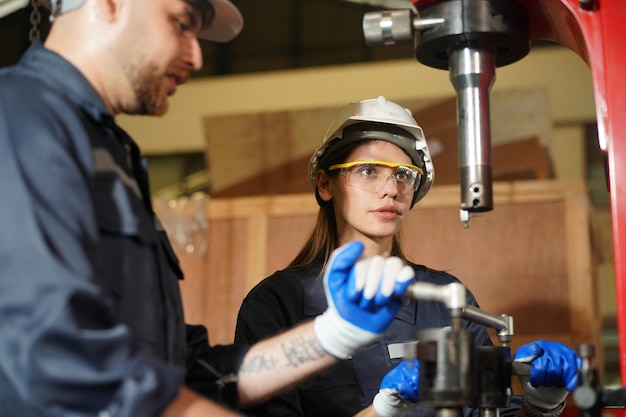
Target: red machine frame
{"x":595,"y":29}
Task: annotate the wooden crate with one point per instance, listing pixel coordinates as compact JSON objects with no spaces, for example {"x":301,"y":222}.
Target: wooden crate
{"x":531,"y":257}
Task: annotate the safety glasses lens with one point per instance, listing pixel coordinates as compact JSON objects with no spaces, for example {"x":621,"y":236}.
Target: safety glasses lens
{"x":373,"y":177}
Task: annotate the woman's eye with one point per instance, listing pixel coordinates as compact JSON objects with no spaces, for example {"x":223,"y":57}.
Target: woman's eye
{"x":402,"y":175}
{"x":366,"y":170}
{"x":405,"y":175}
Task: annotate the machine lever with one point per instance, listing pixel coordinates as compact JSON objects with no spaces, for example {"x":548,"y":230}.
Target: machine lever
{"x":521,"y":368}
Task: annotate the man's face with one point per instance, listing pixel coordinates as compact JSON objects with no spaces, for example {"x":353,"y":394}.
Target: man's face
{"x":163,"y":50}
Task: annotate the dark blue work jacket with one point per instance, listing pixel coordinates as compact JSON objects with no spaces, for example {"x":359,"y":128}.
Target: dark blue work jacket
{"x":290,"y":296}
{"x":91,"y":319}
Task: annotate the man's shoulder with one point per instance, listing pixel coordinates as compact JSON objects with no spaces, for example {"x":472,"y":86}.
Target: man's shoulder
{"x":20,"y":86}
{"x":24,"y":94}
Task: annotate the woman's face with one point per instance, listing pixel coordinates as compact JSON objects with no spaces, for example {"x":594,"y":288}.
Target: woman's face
{"x":366,"y":214}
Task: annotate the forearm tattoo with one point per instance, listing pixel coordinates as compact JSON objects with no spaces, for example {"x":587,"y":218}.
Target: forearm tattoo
{"x":297,"y":352}
{"x":302,"y":350}
{"x":258,"y":363}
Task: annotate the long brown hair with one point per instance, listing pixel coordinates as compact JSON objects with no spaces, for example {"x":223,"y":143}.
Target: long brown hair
{"x":323,"y":240}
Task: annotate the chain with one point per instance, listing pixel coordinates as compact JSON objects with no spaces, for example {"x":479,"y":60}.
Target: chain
{"x":35,"y":19}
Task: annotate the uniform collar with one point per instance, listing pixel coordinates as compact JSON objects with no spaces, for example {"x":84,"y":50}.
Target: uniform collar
{"x":55,"y":70}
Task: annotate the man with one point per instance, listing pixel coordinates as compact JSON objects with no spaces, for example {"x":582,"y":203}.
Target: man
{"x":90,"y":313}
{"x":91,"y":320}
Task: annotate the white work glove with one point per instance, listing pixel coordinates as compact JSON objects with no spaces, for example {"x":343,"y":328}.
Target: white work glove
{"x":363,"y":298}
{"x":399,"y":390}
{"x":553,"y":373}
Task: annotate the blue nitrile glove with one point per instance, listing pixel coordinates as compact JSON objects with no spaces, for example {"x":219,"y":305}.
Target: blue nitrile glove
{"x":399,"y":390}
{"x":553,"y":372}
{"x":363,"y":298}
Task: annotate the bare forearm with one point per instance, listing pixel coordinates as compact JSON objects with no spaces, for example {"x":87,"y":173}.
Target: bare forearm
{"x":190,"y":404}
{"x":273,"y":365}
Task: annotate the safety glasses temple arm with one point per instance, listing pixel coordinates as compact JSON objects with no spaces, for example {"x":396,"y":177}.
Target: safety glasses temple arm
{"x":384,"y":163}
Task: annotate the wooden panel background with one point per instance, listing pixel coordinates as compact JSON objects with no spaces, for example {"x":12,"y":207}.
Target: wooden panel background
{"x":530,"y":257}
{"x":268,"y":153}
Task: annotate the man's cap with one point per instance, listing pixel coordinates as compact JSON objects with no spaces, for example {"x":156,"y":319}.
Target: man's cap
{"x":222,"y":22}
{"x":222,"y":19}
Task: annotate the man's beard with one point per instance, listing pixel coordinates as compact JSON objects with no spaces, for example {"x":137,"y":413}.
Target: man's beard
{"x":151,"y":94}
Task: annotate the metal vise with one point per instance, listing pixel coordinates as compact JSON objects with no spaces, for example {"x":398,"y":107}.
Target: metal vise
{"x":455,"y":373}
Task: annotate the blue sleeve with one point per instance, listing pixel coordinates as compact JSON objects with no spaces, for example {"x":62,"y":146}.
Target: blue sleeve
{"x":61,"y":350}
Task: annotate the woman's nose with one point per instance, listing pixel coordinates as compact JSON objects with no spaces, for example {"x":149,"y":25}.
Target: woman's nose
{"x":389,"y":187}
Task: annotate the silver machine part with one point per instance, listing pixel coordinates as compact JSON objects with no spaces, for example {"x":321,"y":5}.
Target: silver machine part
{"x":391,"y":27}
{"x":589,"y":396}
{"x":502,"y":323}
{"x":470,"y":39}
{"x":489,"y":412}
{"x":447,"y":368}
{"x":454,"y":297}
{"x":472,"y":73}
{"x":453,"y":371}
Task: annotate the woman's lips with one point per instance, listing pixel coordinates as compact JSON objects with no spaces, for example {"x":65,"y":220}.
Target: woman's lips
{"x":387,"y":212}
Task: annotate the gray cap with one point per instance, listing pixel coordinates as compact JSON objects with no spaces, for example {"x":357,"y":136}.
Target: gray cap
{"x":223,"y":21}
{"x":224,"y":24}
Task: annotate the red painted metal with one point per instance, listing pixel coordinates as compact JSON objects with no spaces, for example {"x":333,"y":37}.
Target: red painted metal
{"x":598,"y":37}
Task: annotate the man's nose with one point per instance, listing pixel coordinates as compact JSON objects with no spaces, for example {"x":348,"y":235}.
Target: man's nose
{"x":193,"y":54}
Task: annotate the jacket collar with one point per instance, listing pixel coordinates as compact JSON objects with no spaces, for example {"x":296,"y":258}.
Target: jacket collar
{"x":50,"y":67}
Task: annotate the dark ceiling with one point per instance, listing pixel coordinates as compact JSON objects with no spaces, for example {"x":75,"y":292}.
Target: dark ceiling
{"x":278,"y":34}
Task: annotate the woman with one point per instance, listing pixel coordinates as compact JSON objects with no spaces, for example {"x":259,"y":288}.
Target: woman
{"x":372,"y":167}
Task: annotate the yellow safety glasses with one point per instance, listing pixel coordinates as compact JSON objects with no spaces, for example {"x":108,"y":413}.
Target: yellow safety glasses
{"x":373,"y":175}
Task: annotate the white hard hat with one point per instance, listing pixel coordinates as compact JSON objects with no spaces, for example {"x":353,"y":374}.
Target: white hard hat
{"x":373,"y":115}
{"x":224,"y":25}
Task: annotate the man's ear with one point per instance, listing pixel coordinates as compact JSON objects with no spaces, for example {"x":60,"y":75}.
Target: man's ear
{"x":323,"y":185}
{"x":111,"y":9}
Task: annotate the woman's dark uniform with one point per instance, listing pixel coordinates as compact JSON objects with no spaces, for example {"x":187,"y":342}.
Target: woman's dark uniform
{"x":292,"y":295}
